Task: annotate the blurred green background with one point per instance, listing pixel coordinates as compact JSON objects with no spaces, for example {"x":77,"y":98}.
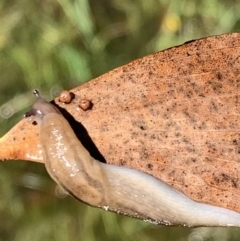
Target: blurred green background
{"x":58,"y":44}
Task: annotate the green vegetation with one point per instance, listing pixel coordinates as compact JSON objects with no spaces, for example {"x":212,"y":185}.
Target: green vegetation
{"x":54,"y":45}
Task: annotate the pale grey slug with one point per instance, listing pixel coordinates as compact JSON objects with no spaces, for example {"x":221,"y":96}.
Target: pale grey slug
{"x":119,"y":189}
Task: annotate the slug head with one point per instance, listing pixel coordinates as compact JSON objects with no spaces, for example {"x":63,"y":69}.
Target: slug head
{"x":40,"y":108}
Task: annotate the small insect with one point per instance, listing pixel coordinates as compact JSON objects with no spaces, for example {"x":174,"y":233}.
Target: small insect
{"x":66,"y":97}
{"x":85,"y":104}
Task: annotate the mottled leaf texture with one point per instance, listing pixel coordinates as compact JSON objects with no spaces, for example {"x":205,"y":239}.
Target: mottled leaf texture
{"x":172,"y":114}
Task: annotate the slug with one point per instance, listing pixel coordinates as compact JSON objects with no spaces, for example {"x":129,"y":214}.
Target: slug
{"x":119,"y":189}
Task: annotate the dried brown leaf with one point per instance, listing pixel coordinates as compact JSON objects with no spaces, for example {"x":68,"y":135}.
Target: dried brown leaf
{"x":173,"y":114}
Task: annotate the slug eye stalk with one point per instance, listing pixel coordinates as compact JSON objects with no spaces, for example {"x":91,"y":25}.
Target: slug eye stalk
{"x":40,"y":108}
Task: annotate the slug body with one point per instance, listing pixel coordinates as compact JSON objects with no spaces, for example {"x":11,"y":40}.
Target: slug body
{"x":119,"y":189}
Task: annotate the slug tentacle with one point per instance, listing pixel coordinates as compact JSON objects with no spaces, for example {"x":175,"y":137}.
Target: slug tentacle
{"x":119,"y":189}
{"x":40,"y":108}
